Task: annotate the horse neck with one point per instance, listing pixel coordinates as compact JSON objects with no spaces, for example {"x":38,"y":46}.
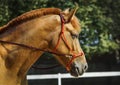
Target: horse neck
{"x":35,"y":30}
{"x":33,"y":33}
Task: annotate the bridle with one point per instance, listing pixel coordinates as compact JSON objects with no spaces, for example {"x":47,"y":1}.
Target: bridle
{"x":61,"y":37}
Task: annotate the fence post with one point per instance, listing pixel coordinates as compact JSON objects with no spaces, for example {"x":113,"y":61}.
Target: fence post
{"x":59,"y":79}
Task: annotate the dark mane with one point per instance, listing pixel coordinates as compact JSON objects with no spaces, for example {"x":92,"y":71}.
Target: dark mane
{"x":28,"y":16}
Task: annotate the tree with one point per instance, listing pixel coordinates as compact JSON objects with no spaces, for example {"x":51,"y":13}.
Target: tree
{"x":99,"y":20}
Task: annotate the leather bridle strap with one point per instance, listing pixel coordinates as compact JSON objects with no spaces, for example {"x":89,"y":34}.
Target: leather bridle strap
{"x":62,"y":36}
{"x":72,"y":59}
{"x":30,"y":47}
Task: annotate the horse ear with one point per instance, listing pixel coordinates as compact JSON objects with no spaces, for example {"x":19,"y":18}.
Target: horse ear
{"x":66,"y":11}
{"x":71,"y":14}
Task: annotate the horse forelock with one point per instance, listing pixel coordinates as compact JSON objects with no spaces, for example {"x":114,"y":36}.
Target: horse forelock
{"x":28,"y":16}
{"x":76,"y":24}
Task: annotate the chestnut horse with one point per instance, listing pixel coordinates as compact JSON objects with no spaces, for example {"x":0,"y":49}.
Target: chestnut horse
{"x":26,"y":37}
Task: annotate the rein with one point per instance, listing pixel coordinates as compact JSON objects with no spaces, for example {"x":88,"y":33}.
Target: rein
{"x":30,"y":47}
{"x":61,"y":36}
{"x":35,"y":49}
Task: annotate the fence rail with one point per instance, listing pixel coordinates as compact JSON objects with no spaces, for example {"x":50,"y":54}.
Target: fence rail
{"x":59,"y":76}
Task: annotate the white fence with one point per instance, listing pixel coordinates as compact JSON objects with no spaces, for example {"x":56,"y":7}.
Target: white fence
{"x":59,"y":76}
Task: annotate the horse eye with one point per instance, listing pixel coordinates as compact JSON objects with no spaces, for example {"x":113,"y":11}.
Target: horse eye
{"x":74,"y":36}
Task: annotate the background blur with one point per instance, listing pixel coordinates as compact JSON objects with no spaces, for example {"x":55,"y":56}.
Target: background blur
{"x":100,"y":36}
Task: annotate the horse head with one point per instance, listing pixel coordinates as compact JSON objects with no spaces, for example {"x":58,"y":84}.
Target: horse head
{"x":62,"y":28}
{"x":64,"y":40}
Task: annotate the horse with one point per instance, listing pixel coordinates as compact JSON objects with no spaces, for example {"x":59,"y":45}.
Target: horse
{"x":25,"y":38}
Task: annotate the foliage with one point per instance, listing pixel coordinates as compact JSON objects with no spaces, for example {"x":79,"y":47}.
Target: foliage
{"x":97,"y":37}
{"x":99,"y":20}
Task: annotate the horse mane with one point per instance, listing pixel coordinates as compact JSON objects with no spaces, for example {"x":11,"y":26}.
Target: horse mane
{"x":28,"y":16}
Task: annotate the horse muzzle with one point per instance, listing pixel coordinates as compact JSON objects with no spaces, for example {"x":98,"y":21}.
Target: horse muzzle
{"x":77,"y":70}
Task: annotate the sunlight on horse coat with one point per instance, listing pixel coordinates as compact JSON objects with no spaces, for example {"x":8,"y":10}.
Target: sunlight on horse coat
{"x":39,"y":28}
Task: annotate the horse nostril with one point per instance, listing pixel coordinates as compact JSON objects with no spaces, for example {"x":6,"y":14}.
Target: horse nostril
{"x":85,"y":67}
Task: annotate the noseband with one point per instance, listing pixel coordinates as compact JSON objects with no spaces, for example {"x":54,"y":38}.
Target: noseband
{"x":61,"y":37}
